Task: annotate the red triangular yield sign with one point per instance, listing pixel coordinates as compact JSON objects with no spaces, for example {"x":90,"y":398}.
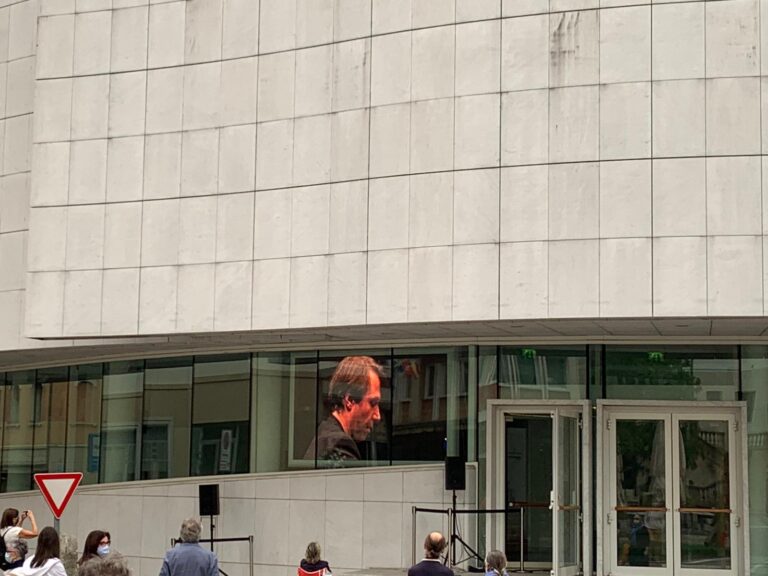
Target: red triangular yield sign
{"x":57,"y":489}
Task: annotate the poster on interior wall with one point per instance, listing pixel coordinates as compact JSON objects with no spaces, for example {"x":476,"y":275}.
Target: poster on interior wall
{"x":225,"y":451}
{"x":94,"y":449}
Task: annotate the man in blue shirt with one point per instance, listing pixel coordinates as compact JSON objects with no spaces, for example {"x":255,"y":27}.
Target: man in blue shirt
{"x":189,"y":558}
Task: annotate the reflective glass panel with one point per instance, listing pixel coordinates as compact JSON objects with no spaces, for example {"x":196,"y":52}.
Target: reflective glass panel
{"x":754,"y":366}
{"x":18,"y":431}
{"x":50,"y":434}
{"x":543,"y":372}
{"x":641,"y":493}
{"x":568,"y":490}
{"x":642,"y":538}
{"x":704,"y":494}
{"x":354,"y":409}
{"x":121,"y":420}
{"x":221,"y":414}
{"x":285,"y":397}
{"x":84,"y":421}
{"x":167,"y":411}
{"x":430,"y":404}
{"x":672,"y":373}
{"x":704,"y":541}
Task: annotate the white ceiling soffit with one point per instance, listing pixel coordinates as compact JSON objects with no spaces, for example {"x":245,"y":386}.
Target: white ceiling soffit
{"x":577,"y":330}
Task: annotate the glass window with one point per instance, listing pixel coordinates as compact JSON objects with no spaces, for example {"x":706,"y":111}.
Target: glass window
{"x":285,"y":401}
{"x":18,"y":431}
{"x":50,"y":433}
{"x":543,"y":372}
{"x":354,"y":409}
{"x":167,"y":409}
{"x":84,"y":421}
{"x":121,"y":421}
{"x":220,"y":414}
{"x":672,"y":373}
{"x":754,"y":365}
{"x":430,"y":408}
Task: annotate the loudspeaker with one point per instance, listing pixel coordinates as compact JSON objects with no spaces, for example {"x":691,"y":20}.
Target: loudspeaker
{"x":455,"y":479}
{"x":209,"y":499}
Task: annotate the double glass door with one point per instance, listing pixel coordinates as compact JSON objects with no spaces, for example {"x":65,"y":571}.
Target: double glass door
{"x":543,"y":490}
{"x":672,"y":492}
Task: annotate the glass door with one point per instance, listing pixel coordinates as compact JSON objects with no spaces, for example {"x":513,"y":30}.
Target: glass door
{"x":672,"y":476}
{"x":566,"y":501}
{"x":639,"y":515}
{"x":543,"y":492}
{"x":705,"y":523}
{"x":528,"y":487}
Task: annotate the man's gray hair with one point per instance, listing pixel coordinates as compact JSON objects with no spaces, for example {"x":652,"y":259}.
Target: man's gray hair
{"x":190,"y":530}
{"x":113,"y":564}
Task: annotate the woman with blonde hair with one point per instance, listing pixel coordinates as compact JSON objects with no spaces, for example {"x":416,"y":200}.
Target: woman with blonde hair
{"x":312,"y":561}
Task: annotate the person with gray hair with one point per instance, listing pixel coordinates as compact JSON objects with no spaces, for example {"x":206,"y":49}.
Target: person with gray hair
{"x":15,"y":554}
{"x":113,"y":564}
{"x":189,"y":558}
{"x":495,"y":563}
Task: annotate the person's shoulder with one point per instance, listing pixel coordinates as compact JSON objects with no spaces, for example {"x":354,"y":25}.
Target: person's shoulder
{"x":429,"y":568}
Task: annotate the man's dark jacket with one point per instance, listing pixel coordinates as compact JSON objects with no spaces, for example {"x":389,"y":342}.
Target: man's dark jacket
{"x":332,"y":443}
{"x":429,"y":568}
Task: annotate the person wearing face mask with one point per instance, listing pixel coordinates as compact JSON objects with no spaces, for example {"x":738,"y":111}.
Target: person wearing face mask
{"x":15,"y":555}
{"x":96,"y":546}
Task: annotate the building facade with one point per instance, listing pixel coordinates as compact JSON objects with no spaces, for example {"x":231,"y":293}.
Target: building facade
{"x":543,"y":219}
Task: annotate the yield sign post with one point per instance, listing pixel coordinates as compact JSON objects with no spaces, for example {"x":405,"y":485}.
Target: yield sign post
{"x":57,"y":488}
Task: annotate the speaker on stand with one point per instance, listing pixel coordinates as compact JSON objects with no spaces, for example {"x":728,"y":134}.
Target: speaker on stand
{"x":456,"y":479}
{"x":455,"y":476}
{"x":209,"y":504}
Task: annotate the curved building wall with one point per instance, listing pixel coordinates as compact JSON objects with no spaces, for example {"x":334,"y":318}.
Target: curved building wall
{"x":229,"y":165}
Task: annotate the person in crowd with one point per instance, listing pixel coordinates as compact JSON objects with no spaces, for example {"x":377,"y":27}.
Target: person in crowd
{"x":45,"y":561}
{"x":495,"y":563}
{"x":434,"y":544}
{"x":639,"y":540}
{"x":354,"y":396}
{"x":111,"y":564}
{"x":96,"y":546}
{"x":12,"y":526}
{"x":312,"y":561}
{"x":16,"y":554}
{"x":189,"y":558}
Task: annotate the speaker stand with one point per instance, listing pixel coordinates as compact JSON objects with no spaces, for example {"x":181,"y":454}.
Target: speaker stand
{"x":456,"y":538}
{"x":213,"y":537}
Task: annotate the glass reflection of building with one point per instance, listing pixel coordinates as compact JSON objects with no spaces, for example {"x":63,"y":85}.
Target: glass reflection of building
{"x":183,"y":416}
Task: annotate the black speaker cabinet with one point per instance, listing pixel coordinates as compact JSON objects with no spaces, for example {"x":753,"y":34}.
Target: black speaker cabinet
{"x":455,"y":479}
{"x":209,"y":499}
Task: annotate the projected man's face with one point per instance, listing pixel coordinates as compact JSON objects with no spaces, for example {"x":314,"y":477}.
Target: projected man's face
{"x":364,"y":414}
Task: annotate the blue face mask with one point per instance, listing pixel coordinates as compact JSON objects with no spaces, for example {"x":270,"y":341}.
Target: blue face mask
{"x":102,"y":550}
{"x":8,"y":557}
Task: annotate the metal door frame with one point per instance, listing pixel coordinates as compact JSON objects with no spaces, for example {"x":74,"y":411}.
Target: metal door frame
{"x":497,"y":411}
{"x":740,"y":486}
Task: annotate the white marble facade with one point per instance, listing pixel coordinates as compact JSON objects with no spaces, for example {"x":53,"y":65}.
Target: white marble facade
{"x":362,"y":518}
{"x":227,"y":165}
